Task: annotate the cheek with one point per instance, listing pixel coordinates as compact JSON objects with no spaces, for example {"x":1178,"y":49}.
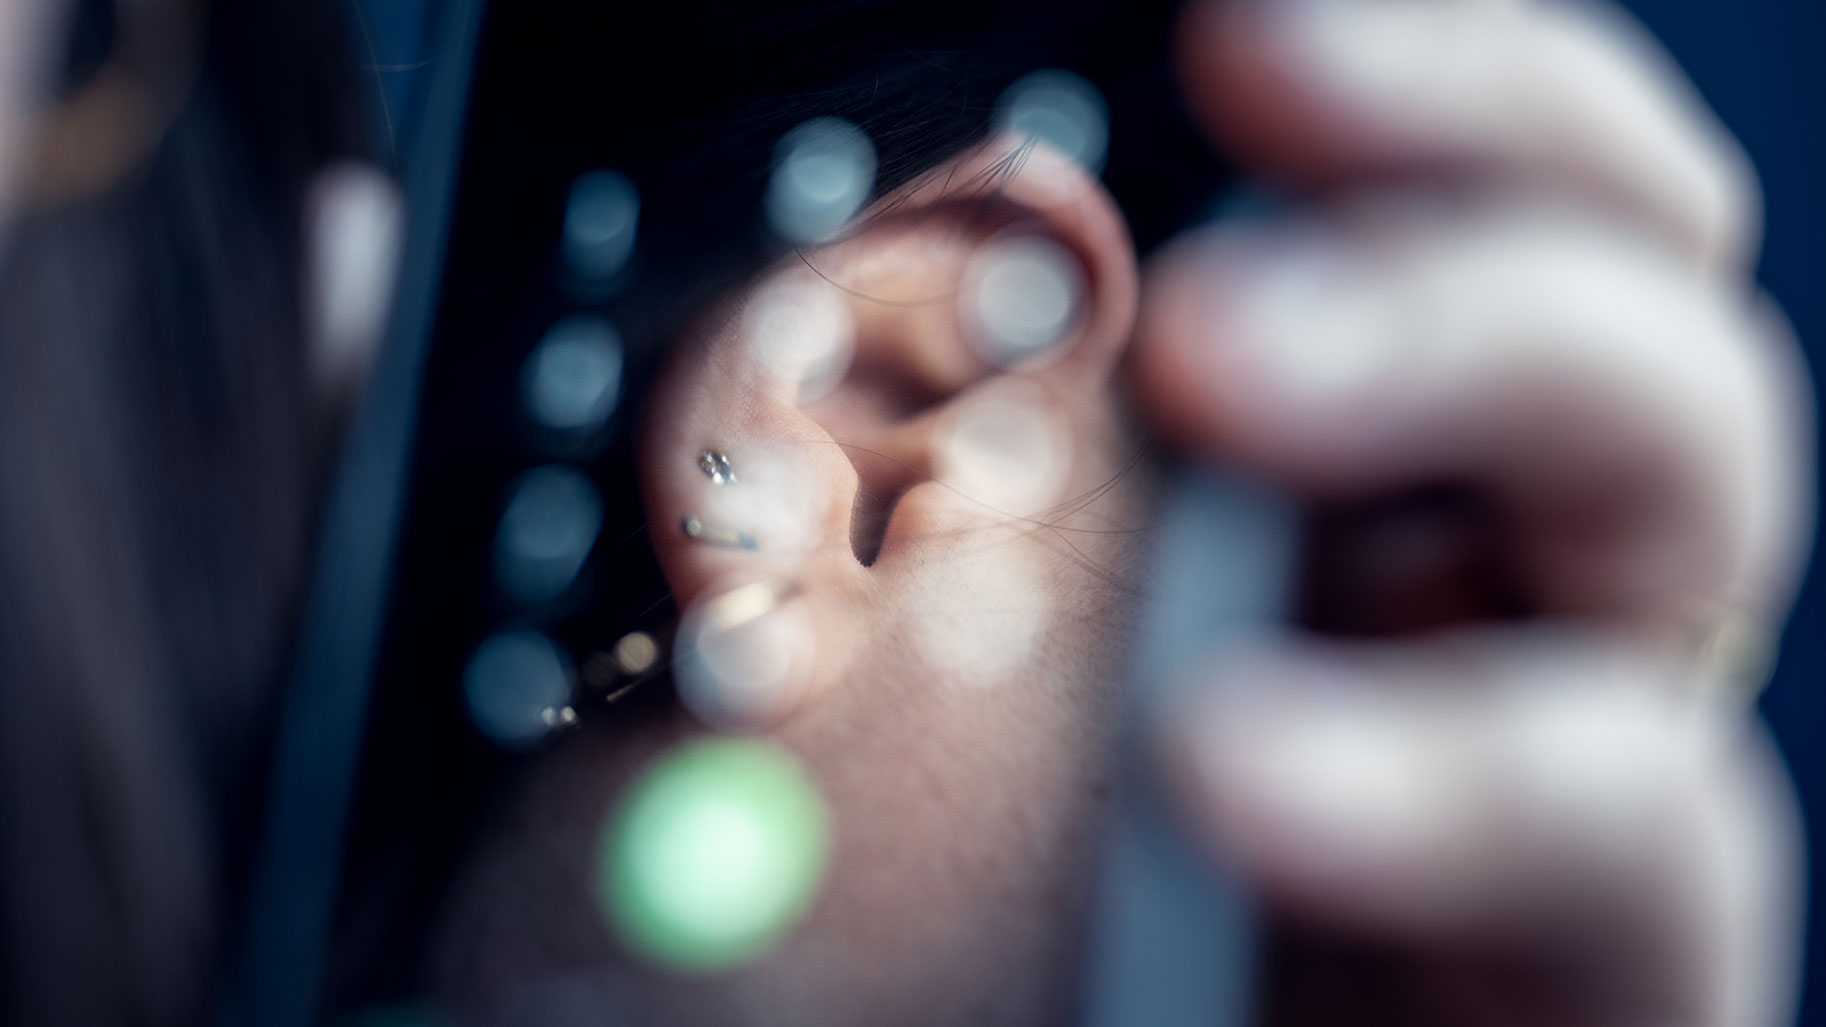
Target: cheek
{"x":963,"y":812}
{"x":965,"y":758}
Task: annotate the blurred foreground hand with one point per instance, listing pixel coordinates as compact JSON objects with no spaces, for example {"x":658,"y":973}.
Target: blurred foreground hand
{"x":1510,"y":351}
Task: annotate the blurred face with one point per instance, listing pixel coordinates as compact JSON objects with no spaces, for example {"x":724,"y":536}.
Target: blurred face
{"x":943,"y":518}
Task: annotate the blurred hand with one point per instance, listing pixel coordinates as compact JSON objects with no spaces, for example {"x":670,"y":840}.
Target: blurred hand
{"x":1511,"y":353}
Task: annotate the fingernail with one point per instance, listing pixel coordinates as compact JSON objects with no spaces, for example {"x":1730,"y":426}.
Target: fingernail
{"x":1388,"y":50}
{"x":744,"y":656}
{"x":1299,"y":322}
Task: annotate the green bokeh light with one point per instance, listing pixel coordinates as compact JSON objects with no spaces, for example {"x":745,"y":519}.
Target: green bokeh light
{"x":715,"y":855}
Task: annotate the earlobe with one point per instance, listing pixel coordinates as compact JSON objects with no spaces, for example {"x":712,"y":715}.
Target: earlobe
{"x":1052,"y":202}
{"x":870,"y":407}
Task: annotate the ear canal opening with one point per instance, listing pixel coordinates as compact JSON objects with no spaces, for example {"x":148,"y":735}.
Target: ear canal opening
{"x":877,"y":495}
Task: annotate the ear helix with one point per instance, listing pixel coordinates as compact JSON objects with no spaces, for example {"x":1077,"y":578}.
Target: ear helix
{"x":745,"y":652}
{"x":772,"y":450}
{"x":1020,"y":298}
{"x":716,"y":467}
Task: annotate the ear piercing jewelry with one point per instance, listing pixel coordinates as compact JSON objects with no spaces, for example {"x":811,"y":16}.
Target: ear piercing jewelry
{"x":744,"y":605}
{"x":717,"y":468}
{"x":728,"y":538}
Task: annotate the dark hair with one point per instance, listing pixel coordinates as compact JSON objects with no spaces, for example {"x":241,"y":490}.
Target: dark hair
{"x":155,"y":508}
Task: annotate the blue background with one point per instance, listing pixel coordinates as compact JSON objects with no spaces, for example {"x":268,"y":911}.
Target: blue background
{"x":1762,"y":64}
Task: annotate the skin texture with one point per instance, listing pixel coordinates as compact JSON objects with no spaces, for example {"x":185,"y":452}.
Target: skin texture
{"x":1505,"y":347}
{"x":952,"y":708}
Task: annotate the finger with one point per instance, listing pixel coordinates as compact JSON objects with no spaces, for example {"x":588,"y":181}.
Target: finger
{"x":1642,"y":429}
{"x":1574,"y":95}
{"x":1564,"y":804}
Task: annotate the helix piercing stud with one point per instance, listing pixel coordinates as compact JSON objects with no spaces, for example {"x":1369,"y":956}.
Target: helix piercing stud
{"x":716,"y":467}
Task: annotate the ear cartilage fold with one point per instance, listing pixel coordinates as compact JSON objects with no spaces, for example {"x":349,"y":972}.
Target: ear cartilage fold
{"x":1021,"y":294}
{"x":728,"y":538}
{"x":716,"y":467}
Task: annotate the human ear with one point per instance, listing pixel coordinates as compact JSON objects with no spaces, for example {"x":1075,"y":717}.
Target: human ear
{"x":916,"y":415}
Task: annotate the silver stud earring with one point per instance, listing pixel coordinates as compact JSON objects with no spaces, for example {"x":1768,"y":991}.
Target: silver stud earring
{"x":716,"y":467}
